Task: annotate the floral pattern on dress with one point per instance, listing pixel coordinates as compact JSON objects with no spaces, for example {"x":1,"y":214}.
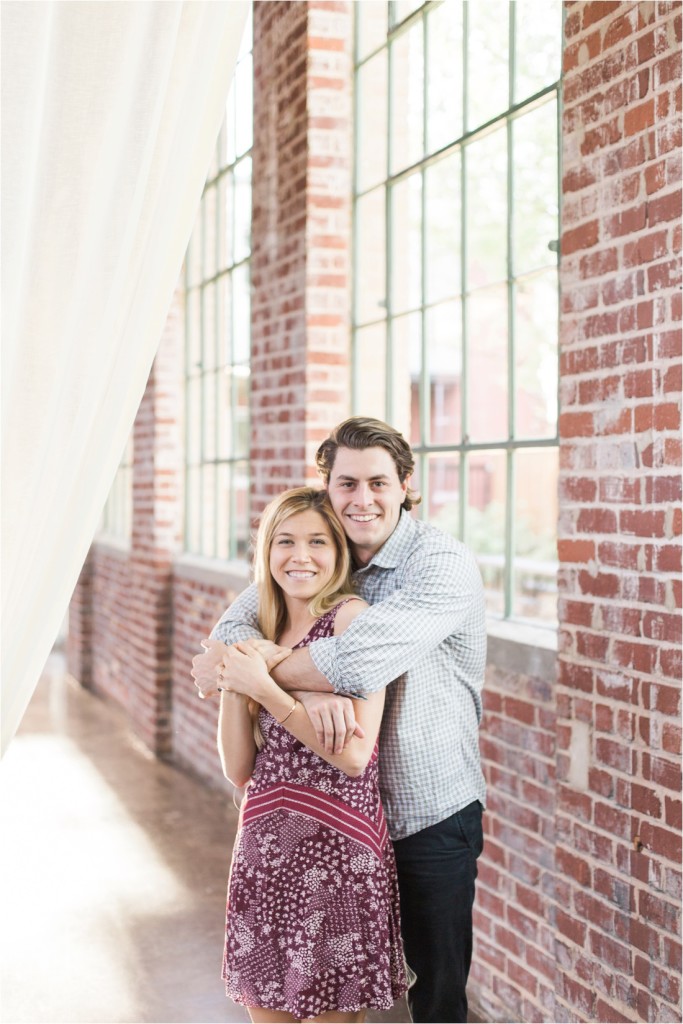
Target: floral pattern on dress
{"x":312,"y":920}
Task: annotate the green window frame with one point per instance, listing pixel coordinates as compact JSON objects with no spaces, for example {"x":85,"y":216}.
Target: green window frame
{"x":455,"y":271}
{"x":218,"y":337}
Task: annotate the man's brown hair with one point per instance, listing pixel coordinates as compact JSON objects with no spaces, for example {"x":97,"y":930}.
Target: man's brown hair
{"x":361,"y":432}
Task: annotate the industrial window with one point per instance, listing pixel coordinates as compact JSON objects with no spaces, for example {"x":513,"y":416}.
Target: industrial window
{"x":117,"y":514}
{"x":455,"y":313}
{"x":218,"y":337}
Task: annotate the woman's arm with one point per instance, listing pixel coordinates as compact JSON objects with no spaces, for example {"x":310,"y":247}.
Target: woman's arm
{"x":247,"y":672}
{"x":236,"y":743}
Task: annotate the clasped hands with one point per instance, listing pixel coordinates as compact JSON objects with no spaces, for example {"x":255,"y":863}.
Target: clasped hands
{"x":220,"y":666}
{"x":245,"y":668}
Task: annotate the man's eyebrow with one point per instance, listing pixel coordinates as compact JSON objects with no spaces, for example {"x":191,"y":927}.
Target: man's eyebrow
{"x":378,"y":476}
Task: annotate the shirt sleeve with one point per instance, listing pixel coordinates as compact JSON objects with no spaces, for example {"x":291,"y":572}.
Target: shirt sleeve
{"x":240,"y":621}
{"x":442,"y":590}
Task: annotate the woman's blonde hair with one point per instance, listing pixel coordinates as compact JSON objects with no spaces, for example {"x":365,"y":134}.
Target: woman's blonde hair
{"x":272,"y":609}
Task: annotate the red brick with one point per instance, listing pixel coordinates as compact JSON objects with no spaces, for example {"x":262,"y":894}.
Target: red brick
{"x":583,"y":237}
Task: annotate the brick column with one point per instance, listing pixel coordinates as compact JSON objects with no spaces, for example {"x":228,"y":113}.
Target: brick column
{"x":300,"y":237}
{"x":618,"y":815}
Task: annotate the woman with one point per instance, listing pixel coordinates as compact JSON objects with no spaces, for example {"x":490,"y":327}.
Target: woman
{"x":312,"y":930}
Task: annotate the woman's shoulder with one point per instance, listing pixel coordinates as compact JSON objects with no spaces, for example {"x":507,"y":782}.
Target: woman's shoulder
{"x":345,"y":611}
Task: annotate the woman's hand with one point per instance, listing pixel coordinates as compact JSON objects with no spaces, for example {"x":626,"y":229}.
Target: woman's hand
{"x":244,"y":670}
{"x":271,"y":652}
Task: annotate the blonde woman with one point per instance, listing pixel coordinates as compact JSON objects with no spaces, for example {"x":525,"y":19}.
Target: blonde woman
{"x":312,"y":929}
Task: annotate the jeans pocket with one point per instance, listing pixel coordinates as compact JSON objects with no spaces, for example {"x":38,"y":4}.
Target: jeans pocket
{"x":470,"y":825}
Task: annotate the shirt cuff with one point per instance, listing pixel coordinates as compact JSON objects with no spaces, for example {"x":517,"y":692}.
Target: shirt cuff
{"x":324,"y":656}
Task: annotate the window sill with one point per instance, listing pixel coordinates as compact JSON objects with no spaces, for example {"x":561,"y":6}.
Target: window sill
{"x":222,"y":574}
{"x":522,"y":648}
{"x":111,"y":544}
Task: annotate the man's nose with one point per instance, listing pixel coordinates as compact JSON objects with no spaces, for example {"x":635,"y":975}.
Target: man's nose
{"x":363,"y":496}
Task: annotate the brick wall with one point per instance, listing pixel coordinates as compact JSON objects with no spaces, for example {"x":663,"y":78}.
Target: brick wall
{"x":120,"y":637}
{"x":618,"y":697}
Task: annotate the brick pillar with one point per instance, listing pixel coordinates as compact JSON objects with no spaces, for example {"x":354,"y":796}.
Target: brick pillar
{"x":618,"y":815}
{"x":79,"y":638}
{"x":300,"y":237}
{"x":157,"y":481}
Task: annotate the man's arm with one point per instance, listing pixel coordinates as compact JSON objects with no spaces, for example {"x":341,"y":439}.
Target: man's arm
{"x":240,"y":620}
{"x":442,"y":589}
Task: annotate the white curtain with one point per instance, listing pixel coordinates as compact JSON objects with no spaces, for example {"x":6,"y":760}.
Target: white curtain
{"x":110,"y":112}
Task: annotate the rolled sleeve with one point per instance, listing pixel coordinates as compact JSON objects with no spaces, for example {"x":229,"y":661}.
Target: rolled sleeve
{"x":438,"y":592}
{"x":240,"y":620}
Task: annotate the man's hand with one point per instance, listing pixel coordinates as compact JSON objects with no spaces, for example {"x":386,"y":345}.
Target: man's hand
{"x":332,"y":716}
{"x":205,"y":667}
{"x":271,"y":652}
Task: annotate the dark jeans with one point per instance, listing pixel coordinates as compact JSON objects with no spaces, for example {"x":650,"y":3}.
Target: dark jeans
{"x":436,"y":872}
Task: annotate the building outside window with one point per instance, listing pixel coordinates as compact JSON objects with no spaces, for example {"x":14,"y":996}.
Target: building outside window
{"x":456,"y":221}
{"x":218,"y":337}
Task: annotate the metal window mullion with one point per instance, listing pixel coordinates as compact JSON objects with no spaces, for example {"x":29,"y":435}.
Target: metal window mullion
{"x":425,"y":389}
{"x":354,"y":223}
{"x":508,"y":569}
{"x":462,"y":468}
{"x":388,"y":237}
{"x":216,"y":370}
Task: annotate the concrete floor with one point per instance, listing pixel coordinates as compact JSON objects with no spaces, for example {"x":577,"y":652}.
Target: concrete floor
{"x":113,"y":873}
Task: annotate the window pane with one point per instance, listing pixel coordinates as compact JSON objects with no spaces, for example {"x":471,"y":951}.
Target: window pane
{"x":444,"y":363}
{"x":193,"y":414}
{"x":444,"y":75}
{"x":535,"y":532}
{"x":209,"y":233}
{"x":193,"y":327}
{"x":486,"y":171}
{"x":225,"y":436}
{"x":370,"y":371}
{"x":240,"y":486}
{"x":242,"y":243}
{"x":407,"y":87}
{"x":371,"y":25}
{"x":208,"y":509}
{"x":209,"y":422}
{"x":400,"y":9}
{"x":442,"y":229}
{"x":406,"y":358}
{"x":241,"y":301}
{"x":487,"y":44}
{"x":208,"y":294}
{"x":243,"y":105}
{"x":443,"y":490}
{"x":487,"y":383}
{"x":535,"y":189}
{"x":406,"y":244}
{"x":536,"y":347}
{"x":485,"y":521}
{"x":193,"y":487}
{"x":241,"y":405}
{"x":371,"y":122}
{"x":538,"y":43}
{"x":223,"y":511}
{"x":370,"y":253}
{"x":225,"y":221}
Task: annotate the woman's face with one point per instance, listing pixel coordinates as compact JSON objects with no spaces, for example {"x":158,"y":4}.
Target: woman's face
{"x":303,"y":555}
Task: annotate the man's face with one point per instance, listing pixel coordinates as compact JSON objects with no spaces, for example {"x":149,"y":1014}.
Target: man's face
{"x":366,"y":495}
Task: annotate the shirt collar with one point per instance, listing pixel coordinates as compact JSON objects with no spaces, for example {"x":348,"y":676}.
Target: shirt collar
{"x":394,"y":549}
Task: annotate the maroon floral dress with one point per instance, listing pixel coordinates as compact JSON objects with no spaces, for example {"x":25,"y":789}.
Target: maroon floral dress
{"x":313,"y":914}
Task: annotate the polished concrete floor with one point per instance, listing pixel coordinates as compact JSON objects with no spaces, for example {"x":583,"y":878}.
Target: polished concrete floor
{"x":113,"y":874}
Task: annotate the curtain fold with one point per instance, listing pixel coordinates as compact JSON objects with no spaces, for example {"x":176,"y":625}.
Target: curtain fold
{"x":110,"y":112}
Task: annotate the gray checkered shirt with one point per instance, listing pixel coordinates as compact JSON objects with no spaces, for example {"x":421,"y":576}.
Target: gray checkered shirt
{"x":426,"y":635}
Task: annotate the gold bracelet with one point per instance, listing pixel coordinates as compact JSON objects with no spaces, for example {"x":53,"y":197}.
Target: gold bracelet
{"x":288,"y":713}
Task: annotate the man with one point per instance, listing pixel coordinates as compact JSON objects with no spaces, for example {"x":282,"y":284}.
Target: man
{"x":425,"y":639}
